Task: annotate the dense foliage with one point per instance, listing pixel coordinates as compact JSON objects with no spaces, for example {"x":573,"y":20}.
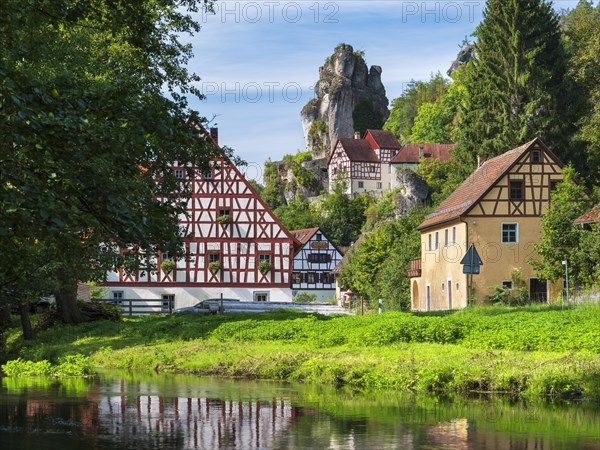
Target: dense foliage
{"x":93,"y":111}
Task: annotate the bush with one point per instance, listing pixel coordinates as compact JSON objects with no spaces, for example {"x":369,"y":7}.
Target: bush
{"x":305,"y":297}
{"x":167,"y":266}
{"x":265,"y":267}
{"x":69,"y":366}
{"x":214,"y":266}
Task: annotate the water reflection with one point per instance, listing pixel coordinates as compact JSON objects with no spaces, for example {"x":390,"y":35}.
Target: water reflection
{"x":163,"y":412}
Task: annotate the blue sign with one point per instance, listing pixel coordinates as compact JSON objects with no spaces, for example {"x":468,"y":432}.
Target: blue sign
{"x":471,"y":261}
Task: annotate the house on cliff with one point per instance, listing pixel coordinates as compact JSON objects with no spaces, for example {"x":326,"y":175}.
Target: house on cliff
{"x":369,"y":165}
{"x":498,"y":209}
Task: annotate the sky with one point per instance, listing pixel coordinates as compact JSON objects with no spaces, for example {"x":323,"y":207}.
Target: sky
{"x":259,"y":60}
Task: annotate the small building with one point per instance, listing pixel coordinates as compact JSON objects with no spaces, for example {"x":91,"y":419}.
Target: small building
{"x":410,"y":155}
{"x":314,"y":262}
{"x":369,"y":165}
{"x":589,"y":217}
{"x":498,"y":208}
{"x":236,"y":246}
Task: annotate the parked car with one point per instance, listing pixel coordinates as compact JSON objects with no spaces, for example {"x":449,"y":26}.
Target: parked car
{"x":208,"y":306}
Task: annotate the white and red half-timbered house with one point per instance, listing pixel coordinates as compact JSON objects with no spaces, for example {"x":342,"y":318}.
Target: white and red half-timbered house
{"x":314,"y":263}
{"x":236,"y":247}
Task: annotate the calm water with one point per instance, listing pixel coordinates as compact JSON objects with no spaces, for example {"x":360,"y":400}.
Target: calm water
{"x":117,"y":411}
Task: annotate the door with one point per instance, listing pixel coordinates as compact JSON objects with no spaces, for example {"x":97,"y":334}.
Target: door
{"x":538,"y":290}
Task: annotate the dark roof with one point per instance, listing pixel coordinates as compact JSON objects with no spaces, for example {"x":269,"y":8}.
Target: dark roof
{"x":409,"y":153}
{"x":590,"y":216}
{"x":304,"y":235}
{"x":477,"y":185}
{"x":358,"y":150}
{"x":383,"y":139}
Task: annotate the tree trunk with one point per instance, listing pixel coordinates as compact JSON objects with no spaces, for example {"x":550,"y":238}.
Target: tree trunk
{"x":25,"y":321}
{"x":66,"y":299}
{"x":4,"y":315}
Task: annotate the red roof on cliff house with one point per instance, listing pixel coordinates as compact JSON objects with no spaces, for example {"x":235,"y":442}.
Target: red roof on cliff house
{"x":382,"y":139}
{"x":358,"y":150}
{"x":411,"y":153}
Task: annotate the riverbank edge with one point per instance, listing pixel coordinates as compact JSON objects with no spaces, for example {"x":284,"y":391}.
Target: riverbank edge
{"x":415,"y":367}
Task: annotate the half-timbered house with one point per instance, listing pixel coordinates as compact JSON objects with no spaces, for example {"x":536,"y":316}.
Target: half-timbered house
{"x":497,"y":209}
{"x":236,"y":246}
{"x":314,"y":263}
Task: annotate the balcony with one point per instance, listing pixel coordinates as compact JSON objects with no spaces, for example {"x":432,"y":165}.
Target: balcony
{"x":415,"y":268}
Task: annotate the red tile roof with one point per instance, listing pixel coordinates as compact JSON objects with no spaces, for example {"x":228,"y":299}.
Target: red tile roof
{"x":409,"y":153}
{"x":304,"y":235}
{"x":477,"y":185}
{"x":358,"y":150}
{"x":383,"y":139}
{"x":590,"y":216}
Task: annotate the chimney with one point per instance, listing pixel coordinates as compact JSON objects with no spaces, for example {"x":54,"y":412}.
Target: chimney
{"x":480,"y":160}
{"x":214,"y":133}
{"x":357,"y":135}
{"x":421,"y":151}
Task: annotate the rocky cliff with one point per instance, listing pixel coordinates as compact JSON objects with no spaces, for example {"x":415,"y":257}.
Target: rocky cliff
{"x":347,"y":92}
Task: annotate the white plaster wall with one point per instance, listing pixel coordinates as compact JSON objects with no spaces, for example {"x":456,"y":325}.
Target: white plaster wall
{"x":189,"y":296}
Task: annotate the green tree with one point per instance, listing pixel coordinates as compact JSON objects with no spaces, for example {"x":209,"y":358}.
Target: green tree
{"x":340,"y":217}
{"x":582,"y":37}
{"x":516,"y":86}
{"x":93,"y":112}
{"x":365,"y":117}
{"x":560,"y":239}
{"x":296,"y":215}
{"x":406,"y":107}
{"x":272,"y":194}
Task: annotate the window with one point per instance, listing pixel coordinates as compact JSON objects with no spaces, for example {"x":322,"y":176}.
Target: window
{"x":166,"y":257}
{"x":553,"y":184}
{"x":264,"y":257}
{"x":510,"y":233}
{"x":224,"y":212}
{"x":516,"y":190}
{"x":118,"y":297}
{"x":446,"y":237}
{"x":437,"y":240}
{"x":536,"y":156}
{"x":311,"y":277}
{"x":179,"y":173}
{"x":507,"y":284}
{"x":379,"y":185}
{"x":319,"y":258}
{"x":319,"y":237}
{"x":296,"y":277}
{"x":429,"y":246}
{"x":372,"y":169}
{"x":261,"y":296}
{"x":214,"y":257}
{"x":168,"y":301}
{"x":208,"y":175}
{"x":361,"y":184}
{"x":443,"y":284}
{"x":453,"y":235}
{"x":457,"y":287}
{"x":328,"y":278}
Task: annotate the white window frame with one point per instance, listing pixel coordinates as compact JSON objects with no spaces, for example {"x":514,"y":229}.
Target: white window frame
{"x":361,"y":184}
{"x":256,"y":294}
{"x":179,"y":174}
{"x":516,"y":241}
{"x":507,"y":284}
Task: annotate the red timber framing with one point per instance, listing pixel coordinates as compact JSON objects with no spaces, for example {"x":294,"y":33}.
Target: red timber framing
{"x":366,"y":171}
{"x":237,"y":244}
{"x":339,"y":165}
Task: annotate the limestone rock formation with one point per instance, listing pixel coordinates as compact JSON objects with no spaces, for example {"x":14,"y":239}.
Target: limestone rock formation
{"x":464,"y":56}
{"x":414,"y":191}
{"x":344,"y":85}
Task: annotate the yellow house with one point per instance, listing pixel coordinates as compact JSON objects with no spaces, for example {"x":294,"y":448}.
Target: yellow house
{"x":498,"y":209}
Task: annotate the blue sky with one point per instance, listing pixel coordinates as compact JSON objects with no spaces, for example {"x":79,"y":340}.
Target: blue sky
{"x":259,"y":60}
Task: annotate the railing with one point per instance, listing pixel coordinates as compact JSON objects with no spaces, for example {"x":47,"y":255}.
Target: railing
{"x":142,"y":307}
{"x":415,"y":268}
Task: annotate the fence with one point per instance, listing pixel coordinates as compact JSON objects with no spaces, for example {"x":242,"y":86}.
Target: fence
{"x":143,"y":307}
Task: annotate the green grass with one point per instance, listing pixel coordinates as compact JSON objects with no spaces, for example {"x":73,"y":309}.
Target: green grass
{"x":539,"y":351}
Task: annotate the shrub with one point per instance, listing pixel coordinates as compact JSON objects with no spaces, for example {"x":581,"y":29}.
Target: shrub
{"x":305,"y":297}
{"x":224,"y":219}
{"x":214,"y":266}
{"x":265,"y":267}
{"x":167,"y":266}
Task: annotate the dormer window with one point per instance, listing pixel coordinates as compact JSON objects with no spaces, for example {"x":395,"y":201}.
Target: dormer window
{"x":179,"y":174}
{"x":208,"y":175}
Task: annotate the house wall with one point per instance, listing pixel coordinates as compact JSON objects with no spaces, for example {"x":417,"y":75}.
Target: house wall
{"x":189,"y":296}
{"x":440,"y":266}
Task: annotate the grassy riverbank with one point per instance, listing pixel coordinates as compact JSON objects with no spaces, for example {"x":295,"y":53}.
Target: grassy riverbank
{"x":541,"y":351}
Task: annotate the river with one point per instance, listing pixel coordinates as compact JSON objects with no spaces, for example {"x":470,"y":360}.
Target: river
{"x":123,"y":411}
